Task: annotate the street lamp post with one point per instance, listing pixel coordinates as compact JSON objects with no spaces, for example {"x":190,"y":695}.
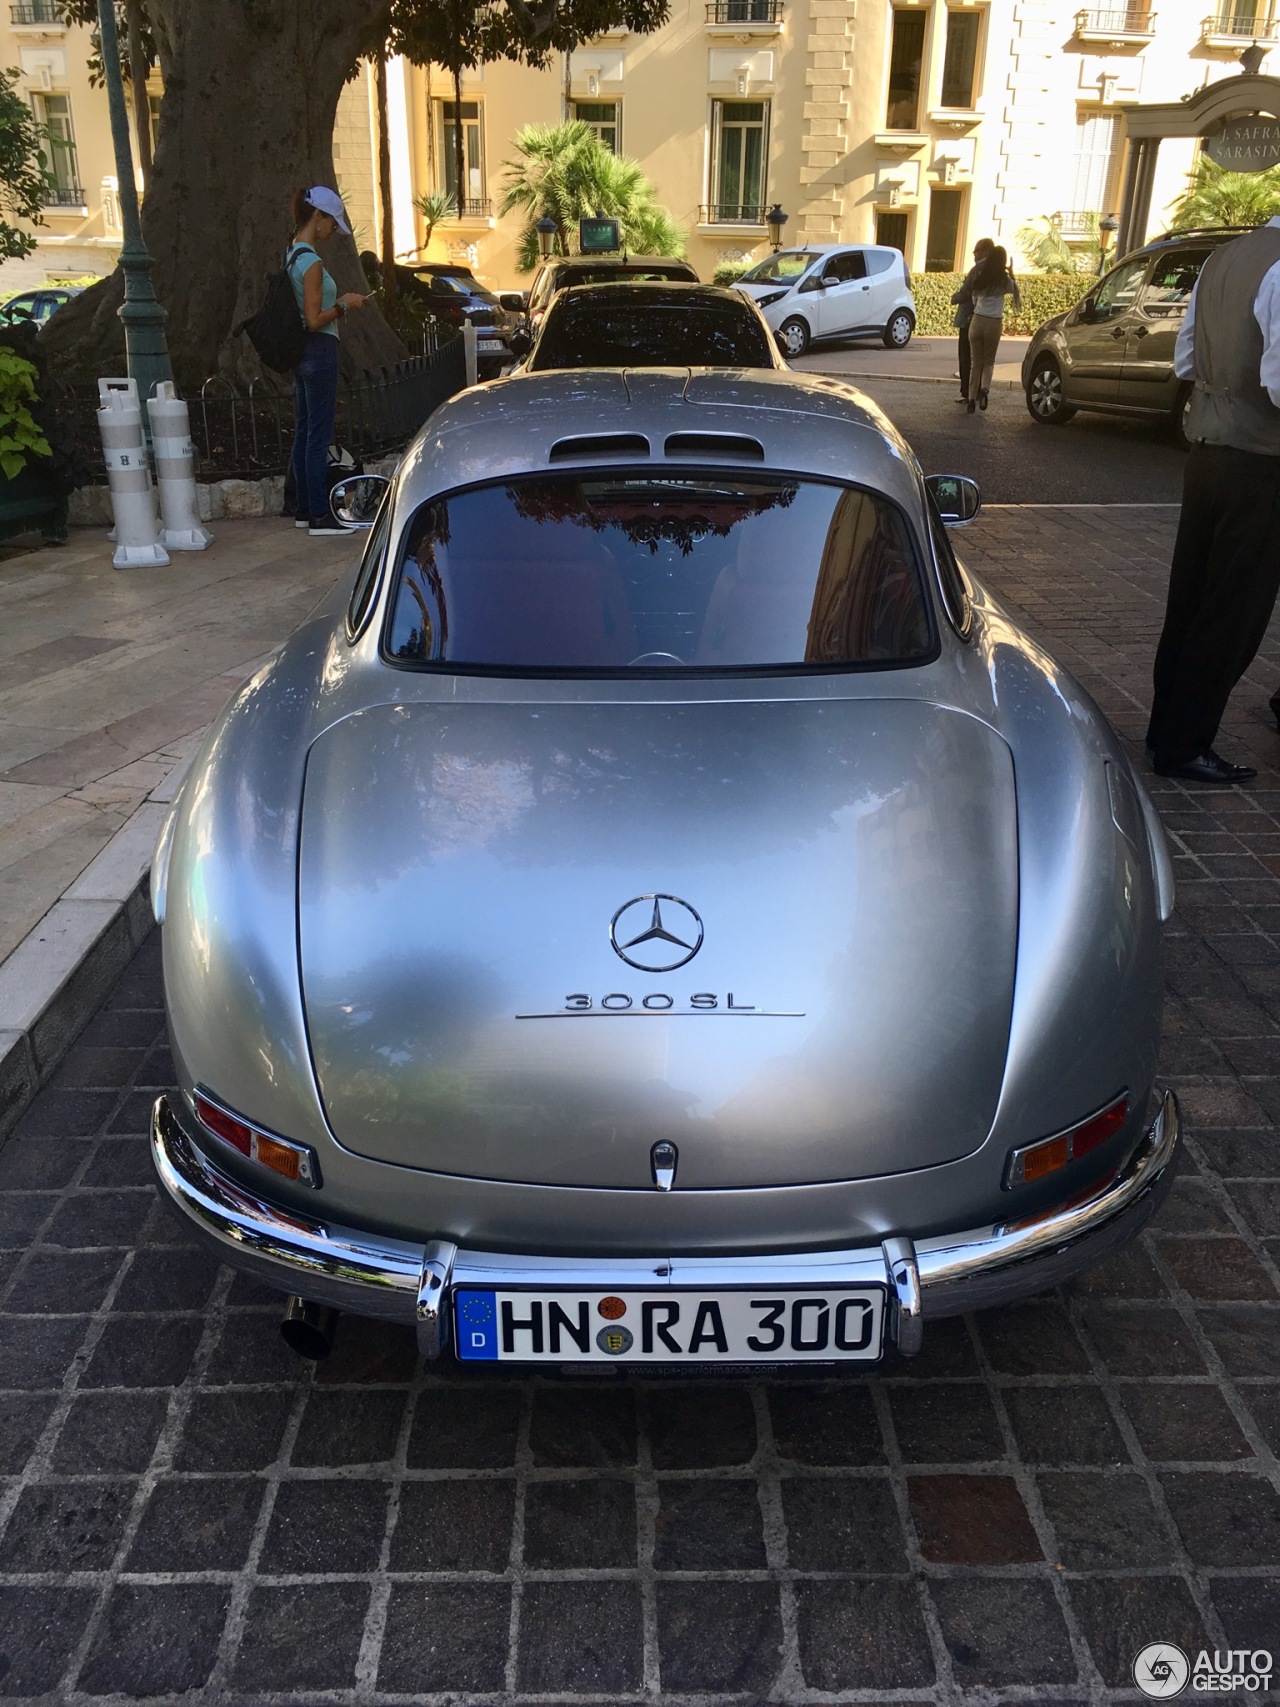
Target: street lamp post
{"x":775,"y":219}
{"x":146,"y":351}
{"x":546,"y":229}
{"x":1107,"y":229}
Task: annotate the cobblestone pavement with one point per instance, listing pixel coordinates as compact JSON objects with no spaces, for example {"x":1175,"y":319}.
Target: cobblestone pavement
{"x":185,"y":1507}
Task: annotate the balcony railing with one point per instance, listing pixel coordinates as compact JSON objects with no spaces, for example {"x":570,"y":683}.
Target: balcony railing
{"x":732,"y":213}
{"x":34,"y":12}
{"x":744,"y":11}
{"x":63,"y":195}
{"x":1227,"y":26}
{"x":1077,"y":221}
{"x":1134,"y":23}
{"x":474,"y":207}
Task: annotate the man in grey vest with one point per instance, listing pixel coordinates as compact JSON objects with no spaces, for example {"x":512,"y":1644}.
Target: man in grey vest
{"x":1226,"y":560}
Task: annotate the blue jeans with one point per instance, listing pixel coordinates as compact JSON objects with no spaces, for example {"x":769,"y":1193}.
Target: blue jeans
{"x":315,"y":396}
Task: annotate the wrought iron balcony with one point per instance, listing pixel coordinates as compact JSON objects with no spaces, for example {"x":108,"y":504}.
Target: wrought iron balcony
{"x":744,"y":12}
{"x":35,"y":12}
{"x":1225,"y":29}
{"x":474,"y":207}
{"x":1077,"y":221}
{"x":1133,"y":23}
{"x":63,"y":195}
{"x":732,"y":213}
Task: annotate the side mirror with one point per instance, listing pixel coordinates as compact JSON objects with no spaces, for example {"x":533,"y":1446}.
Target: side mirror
{"x":520,"y":343}
{"x":355,"y":501}
{"x":957,"y":497}
{"x":514,"y":301}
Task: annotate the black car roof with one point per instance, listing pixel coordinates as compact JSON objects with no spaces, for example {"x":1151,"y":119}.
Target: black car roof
{"x":661,"y":293}
{"x":632,"y":263}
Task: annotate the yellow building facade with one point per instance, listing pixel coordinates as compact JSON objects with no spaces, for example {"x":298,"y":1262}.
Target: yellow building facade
{"x":924,"y":124}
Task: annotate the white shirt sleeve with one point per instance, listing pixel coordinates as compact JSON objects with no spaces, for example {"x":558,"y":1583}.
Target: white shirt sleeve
{"x":1266,"y":311}
{"x":1184,"y":350}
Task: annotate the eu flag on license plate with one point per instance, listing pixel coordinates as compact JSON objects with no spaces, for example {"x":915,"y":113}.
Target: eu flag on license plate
{"x":477,"y":1324}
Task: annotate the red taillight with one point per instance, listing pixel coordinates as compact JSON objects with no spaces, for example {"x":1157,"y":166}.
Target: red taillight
{"x":290,"y":1161}
{"x":1036,"y":1161}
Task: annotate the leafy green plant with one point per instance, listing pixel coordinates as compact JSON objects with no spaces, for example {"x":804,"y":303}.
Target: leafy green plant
{"x":1215,"y":196}
{"x":1044,"y":247}
{"x":727,"y":271}
{"x":435,"y":206}
{"x":1043,"y":296}
{"x":20,"y":437}
{"x":565,"y":173}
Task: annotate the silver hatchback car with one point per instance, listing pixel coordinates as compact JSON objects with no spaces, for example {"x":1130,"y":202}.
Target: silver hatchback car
{"x":660,"y":911}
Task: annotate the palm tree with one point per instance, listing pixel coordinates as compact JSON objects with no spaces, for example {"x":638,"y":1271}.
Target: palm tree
{"x":434,"y":206}
{"x":1217,"y":197}
{"x":1045,"y":248}
{"x":566,"y":173}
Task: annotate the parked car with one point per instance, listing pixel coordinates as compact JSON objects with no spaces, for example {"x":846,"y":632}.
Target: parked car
{"x":1114,"y":350}
{"x":679,"y":920}
{"x":455,"y":296}
{"x":563,"y":270}
{"x":38,"y":305}
{"x":836,"y":290}
{"x":651,"y":325}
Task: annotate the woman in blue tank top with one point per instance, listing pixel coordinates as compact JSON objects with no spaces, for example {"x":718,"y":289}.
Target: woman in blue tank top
{"x":317,"y":214}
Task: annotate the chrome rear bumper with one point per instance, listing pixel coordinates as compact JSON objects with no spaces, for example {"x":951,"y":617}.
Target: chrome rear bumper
{"x":372,"y":1275}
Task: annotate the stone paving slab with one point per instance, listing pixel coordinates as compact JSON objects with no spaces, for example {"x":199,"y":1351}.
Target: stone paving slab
{"x":184,"y":1507}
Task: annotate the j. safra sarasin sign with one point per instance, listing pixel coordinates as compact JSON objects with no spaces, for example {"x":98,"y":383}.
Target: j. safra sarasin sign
{"x":1245,"y":145}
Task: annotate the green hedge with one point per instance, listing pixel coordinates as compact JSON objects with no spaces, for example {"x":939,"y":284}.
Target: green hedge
{"x":728,"y":271}
{"x":1043,"y":296}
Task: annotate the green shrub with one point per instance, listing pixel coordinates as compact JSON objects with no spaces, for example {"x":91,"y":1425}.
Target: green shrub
{"x":20,"y":436}
{"x":728,"y":271}
{"x":1043,"y":296}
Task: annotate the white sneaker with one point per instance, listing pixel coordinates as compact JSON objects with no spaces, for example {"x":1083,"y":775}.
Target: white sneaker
{"x":314,"y":532}
{"x":302,"y":521}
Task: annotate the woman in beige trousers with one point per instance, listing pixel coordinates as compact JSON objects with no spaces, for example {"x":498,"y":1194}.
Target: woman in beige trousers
{"x":992,"y":282}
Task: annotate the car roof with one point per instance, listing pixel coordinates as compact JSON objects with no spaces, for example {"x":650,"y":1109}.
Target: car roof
{"x":832,"y":248}
{"x":659,"y":292}
{"x":639,"y":262}
{"x":600,"y":417}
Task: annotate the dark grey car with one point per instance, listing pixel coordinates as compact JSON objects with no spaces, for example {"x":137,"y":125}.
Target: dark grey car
{"x":1113,"y":351}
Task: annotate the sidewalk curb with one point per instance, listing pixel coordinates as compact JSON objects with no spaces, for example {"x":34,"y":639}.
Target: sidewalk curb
{"x":53,"y":983}
{"x":910,"y":378}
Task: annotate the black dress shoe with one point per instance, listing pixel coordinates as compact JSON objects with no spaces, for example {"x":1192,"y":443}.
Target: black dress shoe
{"x":1207,"y":768}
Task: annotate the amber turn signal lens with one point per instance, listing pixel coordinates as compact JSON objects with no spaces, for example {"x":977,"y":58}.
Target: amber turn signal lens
{"x":278,"y":1157}
{"x":1046,"y":1159}
{"x":290,"y":1161}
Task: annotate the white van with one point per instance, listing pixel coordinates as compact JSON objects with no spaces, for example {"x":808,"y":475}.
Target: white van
{"x":834,"y":290}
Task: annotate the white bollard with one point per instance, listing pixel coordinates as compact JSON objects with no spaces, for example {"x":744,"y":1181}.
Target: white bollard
{"x":470,"y":338}
{"x":176,"y":470}
{"x":125,"y":448}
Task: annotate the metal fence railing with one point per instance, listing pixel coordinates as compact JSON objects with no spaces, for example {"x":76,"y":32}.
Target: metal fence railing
{"x":246,"y":433}
{"x":34,"y":12}
{"x":744,"y":11}
{"x":1255,"y":28}
{"x":1132,"y":21}
{"x":731,"y":213}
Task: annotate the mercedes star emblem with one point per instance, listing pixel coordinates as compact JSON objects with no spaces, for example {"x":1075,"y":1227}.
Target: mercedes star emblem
{"x":656,"y":933}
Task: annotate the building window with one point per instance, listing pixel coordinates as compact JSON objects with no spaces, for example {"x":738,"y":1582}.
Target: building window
{"x":1091,"y":174}
{"x":605,"y":119}
{"x":960,"y":58}
{"x":944,"y":231}
{"x":59,"y":150}
{"x":153,"y":118}
{"x":739,"y":150}
{"x":472,"y":201}
{"x":891,"y":230}
{"x":906,"y":56}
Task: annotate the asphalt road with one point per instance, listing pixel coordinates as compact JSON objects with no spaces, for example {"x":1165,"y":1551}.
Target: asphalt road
{"x":1094,"y":459}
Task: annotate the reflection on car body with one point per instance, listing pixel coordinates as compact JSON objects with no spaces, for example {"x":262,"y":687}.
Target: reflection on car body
{"x":652,"y":325}
{"x":672,"y":895}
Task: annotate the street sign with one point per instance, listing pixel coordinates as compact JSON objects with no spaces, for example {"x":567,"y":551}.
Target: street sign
{"x":598,"y":236}
{"x":1245,"y":145}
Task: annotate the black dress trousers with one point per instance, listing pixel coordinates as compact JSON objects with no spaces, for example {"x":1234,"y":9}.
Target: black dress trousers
{"x":1222,"y":590}
{"x":964,"y":360}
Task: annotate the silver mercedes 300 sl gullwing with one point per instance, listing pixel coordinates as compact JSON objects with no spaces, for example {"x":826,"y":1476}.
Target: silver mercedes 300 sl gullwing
{"x":660,"y":910}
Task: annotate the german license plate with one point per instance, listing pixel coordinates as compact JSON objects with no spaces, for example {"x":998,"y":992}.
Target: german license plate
{"x":837,"y":1324}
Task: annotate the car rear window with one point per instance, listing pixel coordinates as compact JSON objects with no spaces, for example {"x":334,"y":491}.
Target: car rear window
{"x":635,"y":571}
{"x":630,"y":333}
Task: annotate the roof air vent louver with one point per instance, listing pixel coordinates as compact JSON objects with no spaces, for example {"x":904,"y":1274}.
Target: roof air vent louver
{"x":718,"y":445}
{"x":599,"y":444}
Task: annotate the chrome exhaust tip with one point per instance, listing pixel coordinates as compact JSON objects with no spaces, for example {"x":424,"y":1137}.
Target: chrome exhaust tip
{"x":309,"y":1328}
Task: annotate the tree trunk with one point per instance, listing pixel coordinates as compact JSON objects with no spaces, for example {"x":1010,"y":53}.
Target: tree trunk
{"x":387,"y":219}
{"x":459,"y":143}
{"x":251,"y":91}
{"x":138,"y":69}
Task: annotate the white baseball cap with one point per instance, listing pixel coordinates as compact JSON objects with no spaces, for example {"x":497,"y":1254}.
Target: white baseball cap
{"x":330,"y":202}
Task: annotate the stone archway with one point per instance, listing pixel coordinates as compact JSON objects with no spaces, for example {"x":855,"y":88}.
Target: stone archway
{"x":1198,"y":115}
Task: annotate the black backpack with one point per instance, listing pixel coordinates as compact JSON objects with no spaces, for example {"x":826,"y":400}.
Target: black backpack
{"x":277,"y":331}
